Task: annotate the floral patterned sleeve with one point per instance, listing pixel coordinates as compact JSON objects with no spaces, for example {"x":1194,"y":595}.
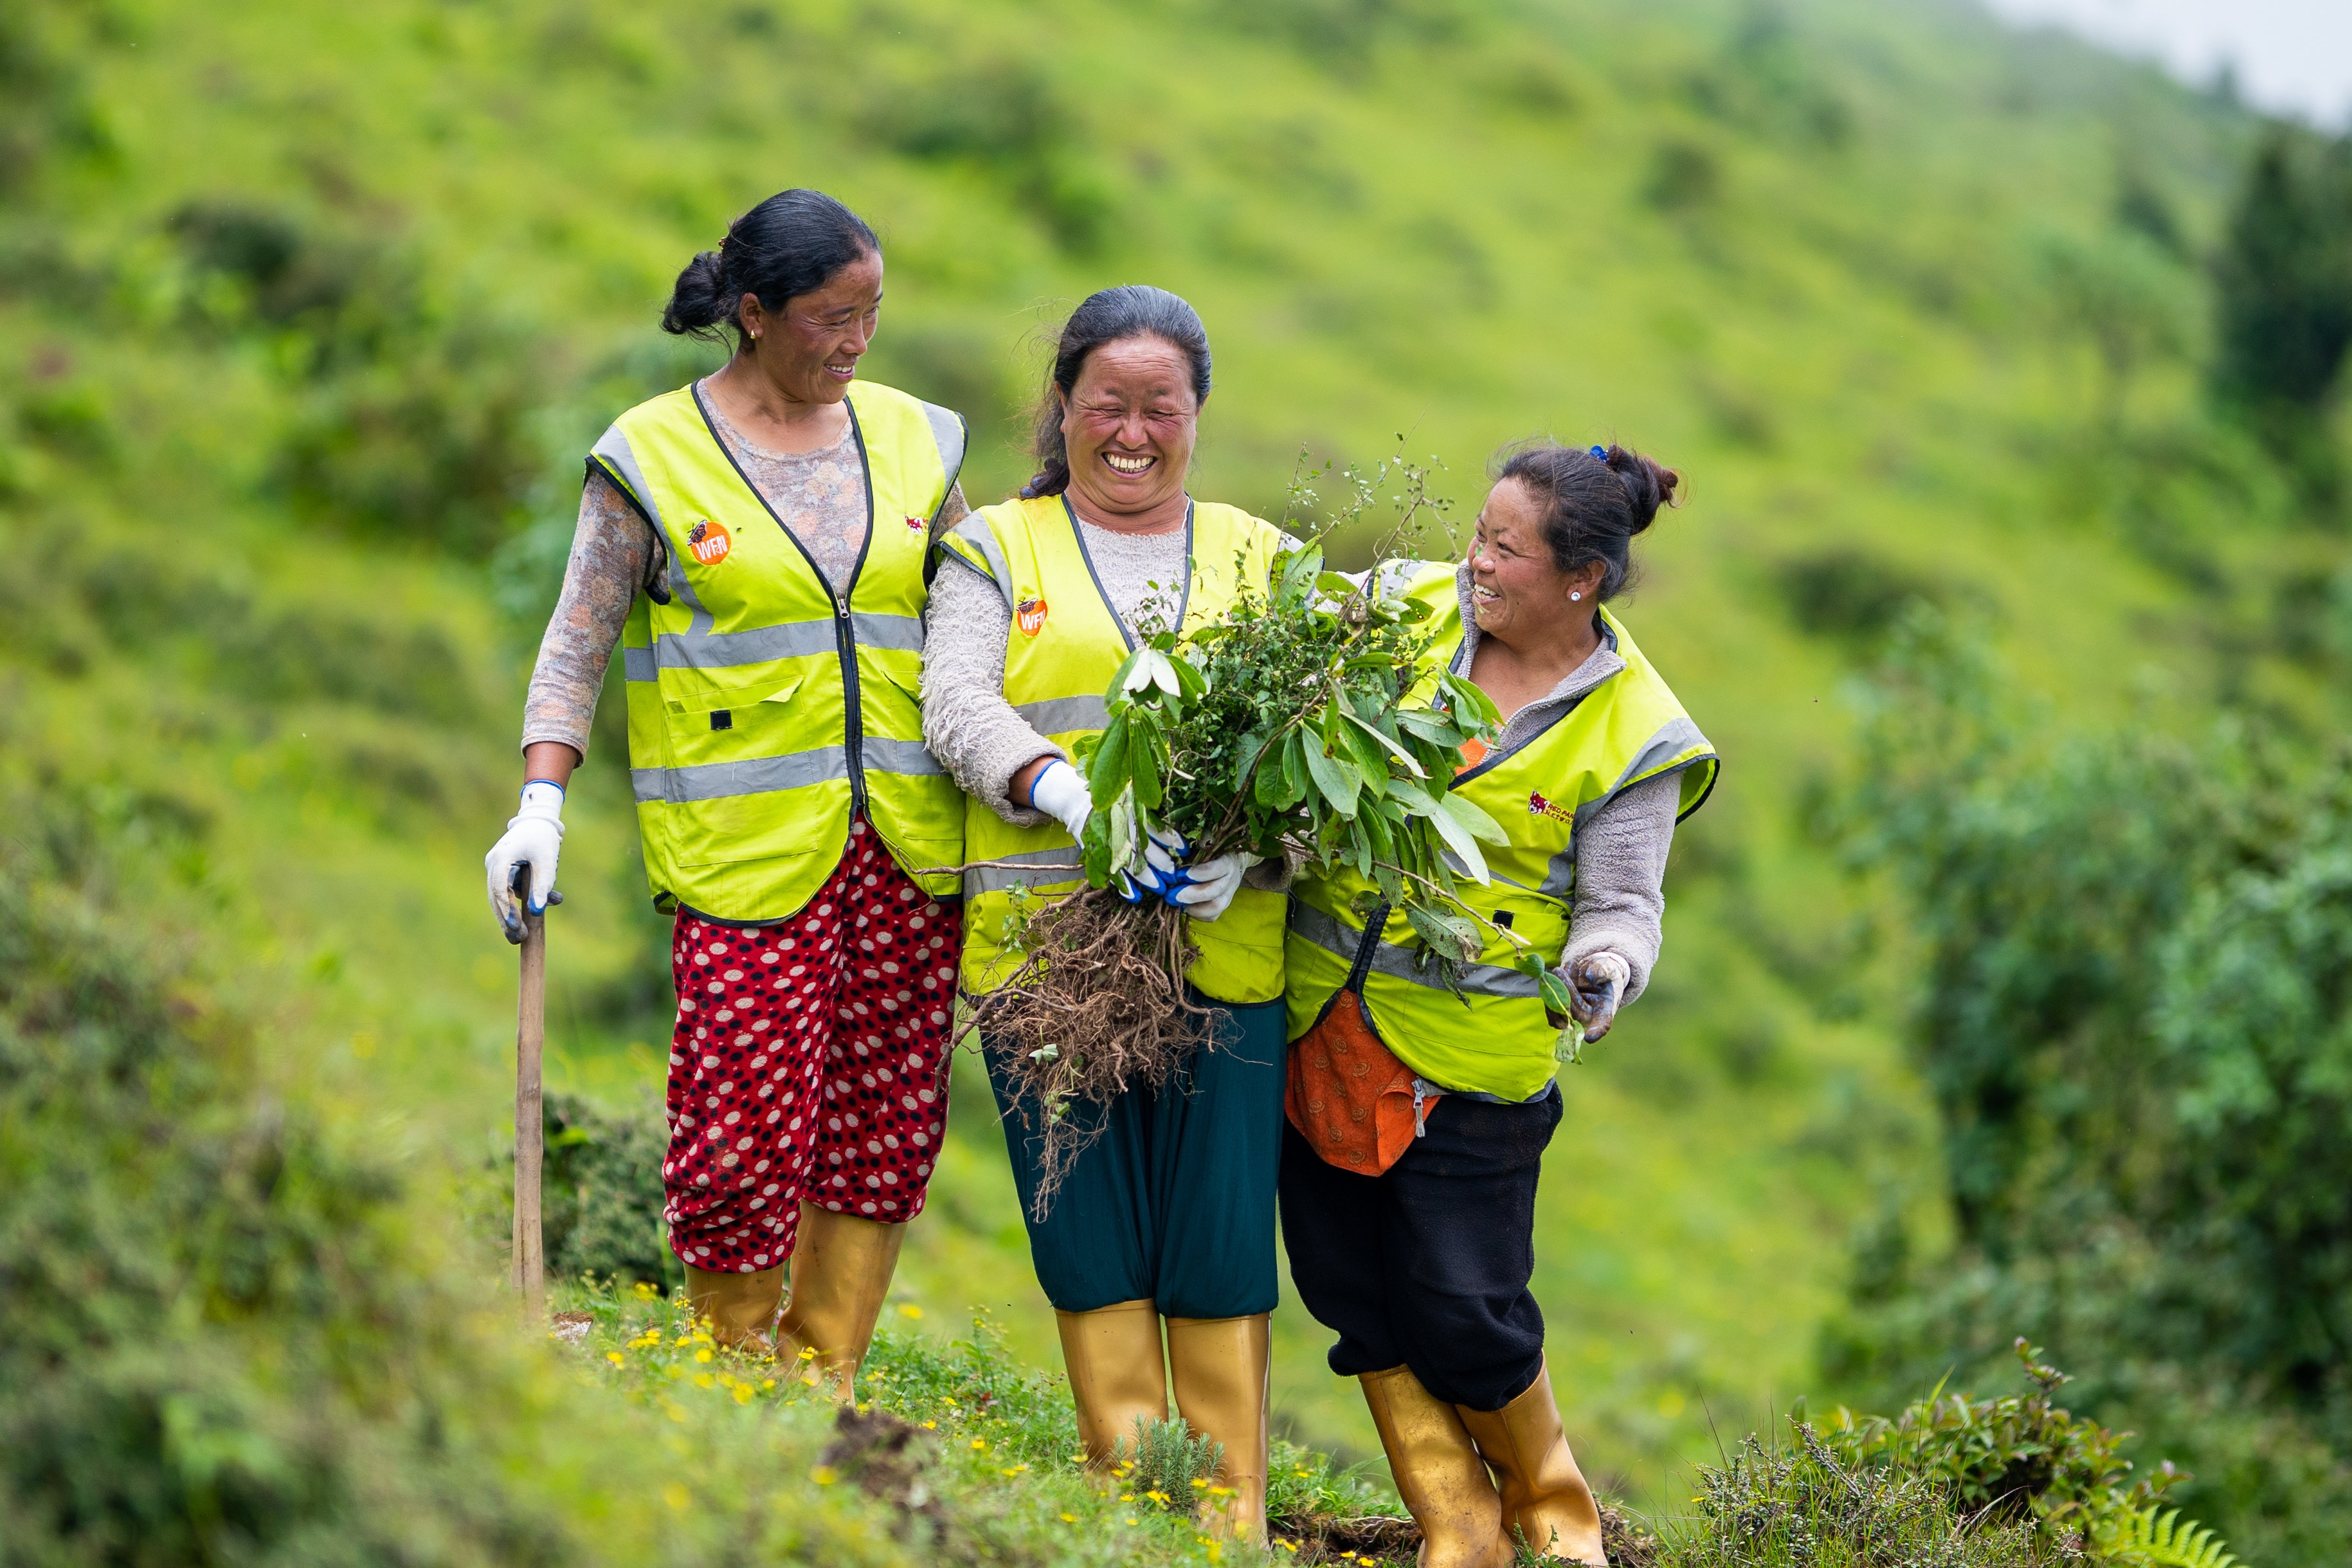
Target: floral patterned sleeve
{"x":611,"y":549}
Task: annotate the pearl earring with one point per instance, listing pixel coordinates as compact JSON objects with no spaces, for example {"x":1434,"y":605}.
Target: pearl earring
{"x":1575,"y":596}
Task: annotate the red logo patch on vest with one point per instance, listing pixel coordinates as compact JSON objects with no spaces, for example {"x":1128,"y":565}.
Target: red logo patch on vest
{"x":710,"y":542}
{"x":916,"y":525}
{"x":1030,"y":616}
{"x":1539,"y":806}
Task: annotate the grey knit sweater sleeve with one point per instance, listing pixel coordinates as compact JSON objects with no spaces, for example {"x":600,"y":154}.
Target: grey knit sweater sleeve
{"x":1621,"y":874}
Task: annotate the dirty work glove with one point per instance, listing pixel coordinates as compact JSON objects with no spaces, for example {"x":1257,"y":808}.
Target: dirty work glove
{"x":1598,"y":985}
{"x":534,"y":837}
{"x":1060,"y":793}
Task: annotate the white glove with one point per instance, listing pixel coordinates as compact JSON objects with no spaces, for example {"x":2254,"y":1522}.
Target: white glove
{"x":1598,"y":986}
{"x":1060,"y":792}
{"x":534,"y":837}
{"x":1202,"y":891}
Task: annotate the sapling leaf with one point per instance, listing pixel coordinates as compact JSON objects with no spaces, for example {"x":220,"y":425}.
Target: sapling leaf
{"x":1098,"y":849}
{"x":1473,"y":817}
{"x":1429,"y":724}
{"x":1296,"y":780}
{"x":1395,"y":750}
{"x":1143,"y":761}
{"x":1123,"y":832}
{"x":1107,"y":773}
{"x":1558,"y":1000}
{"x":1335,"y":771}
{"x":1449,"y":936}
{"x":1457,"y":838}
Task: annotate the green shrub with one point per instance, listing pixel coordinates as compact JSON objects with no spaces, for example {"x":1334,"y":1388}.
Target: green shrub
{"x":2016,"y":1457}
{"x":603,"y":1187}
{"x":1777,"y":1507}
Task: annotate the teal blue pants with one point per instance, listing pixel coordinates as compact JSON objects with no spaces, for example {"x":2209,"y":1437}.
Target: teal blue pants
{"x":1174,"y":1203}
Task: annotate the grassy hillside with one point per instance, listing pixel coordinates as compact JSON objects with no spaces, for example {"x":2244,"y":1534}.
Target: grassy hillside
{"x":310,"y":312}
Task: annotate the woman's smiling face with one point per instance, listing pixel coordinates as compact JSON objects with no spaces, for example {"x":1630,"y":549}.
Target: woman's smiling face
{"x":1128,"y":426}
{"x":1517,"y":592}
{"x":810,"y":349}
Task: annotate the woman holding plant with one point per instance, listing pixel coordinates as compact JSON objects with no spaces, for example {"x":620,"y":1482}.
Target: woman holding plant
{"x":756,"y":543}
{"x":1164,"y":1221}
{"x":1421,"y":1094}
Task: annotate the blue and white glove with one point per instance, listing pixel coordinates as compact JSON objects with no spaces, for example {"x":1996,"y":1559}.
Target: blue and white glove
{"x":534,"y":838}
{"x":1060,"y":793}
{"x":1202,"y":891}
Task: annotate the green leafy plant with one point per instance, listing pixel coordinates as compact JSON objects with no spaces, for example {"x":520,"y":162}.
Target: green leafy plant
{"x":2019,"y":1458}
{"x":1168,"y":1463}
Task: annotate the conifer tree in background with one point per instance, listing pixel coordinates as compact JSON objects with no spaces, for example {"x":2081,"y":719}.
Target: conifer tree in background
{"x":2284,"y":294}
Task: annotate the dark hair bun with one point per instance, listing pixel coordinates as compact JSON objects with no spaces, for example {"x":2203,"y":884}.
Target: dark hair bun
{"x":1595,"y":500}
{"x":1648,"y":484}
{"x":790,"y":244}
{"x":697,"y":301}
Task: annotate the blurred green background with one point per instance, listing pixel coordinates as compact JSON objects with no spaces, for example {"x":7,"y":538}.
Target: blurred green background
{"x":1984,"y":348}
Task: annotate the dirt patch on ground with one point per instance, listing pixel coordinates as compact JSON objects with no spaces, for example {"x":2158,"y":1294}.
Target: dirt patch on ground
{"x":1378,"y":1542}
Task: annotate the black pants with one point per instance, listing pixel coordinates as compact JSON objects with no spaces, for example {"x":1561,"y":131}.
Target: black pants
{"x":1428,"y":1262}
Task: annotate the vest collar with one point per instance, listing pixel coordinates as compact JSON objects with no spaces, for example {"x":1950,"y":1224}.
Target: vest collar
{"x":1078,"y":532}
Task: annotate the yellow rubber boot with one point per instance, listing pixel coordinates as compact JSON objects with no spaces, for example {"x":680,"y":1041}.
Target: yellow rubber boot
{"x":1438,"y":1473}
{"x":741,"y":1309}
{"x":841,"y":1273}
{"x":1220,"y":1367}
{"x":1117,"y":1375}
{"x":1544,"y":1494}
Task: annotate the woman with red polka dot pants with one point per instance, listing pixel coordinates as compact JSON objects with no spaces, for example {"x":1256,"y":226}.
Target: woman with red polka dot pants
{"x":756,"y":544}
{"x":808,"y":1094}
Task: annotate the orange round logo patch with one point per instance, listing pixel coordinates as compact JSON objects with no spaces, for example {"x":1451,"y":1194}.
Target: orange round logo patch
{"x":1030,"y":616}
{"x":710,"y":542}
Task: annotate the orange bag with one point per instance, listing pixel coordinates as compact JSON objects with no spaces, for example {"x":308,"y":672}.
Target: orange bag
{"x":1349,"y":1095}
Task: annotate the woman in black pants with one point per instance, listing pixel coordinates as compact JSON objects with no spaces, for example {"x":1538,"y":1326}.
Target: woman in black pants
{"x":1417,"y":1118}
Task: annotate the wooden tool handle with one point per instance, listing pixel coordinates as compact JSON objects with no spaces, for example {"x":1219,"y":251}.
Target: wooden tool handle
{"x":531,"y":1129}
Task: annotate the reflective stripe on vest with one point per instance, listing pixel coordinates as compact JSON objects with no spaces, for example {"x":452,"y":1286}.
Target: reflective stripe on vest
{"x":765,"y":708}
{"x":1495,"y":1039}
{"x":1064,"y":645}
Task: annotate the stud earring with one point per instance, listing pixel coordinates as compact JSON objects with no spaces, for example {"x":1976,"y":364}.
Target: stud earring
{"x":1575,"y":596}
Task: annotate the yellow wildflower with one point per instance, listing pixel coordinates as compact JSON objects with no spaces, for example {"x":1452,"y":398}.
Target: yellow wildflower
{"x":677,"y":1496}
{"x":614,"y":1356}
{"x":825,"y":1475}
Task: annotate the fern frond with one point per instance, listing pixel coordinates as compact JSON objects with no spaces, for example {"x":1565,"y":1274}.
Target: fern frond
{"x":2165,"y":1541}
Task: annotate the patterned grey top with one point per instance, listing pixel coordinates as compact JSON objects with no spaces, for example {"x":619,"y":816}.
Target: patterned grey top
{"x":821,"y":496}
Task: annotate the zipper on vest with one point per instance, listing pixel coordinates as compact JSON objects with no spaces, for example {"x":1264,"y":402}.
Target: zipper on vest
{"x":853,"y":724}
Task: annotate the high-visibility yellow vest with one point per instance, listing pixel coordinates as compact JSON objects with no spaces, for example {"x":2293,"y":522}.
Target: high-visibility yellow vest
{"x":764,"y":709}
{"x":1628,"y":730}
{"x":1065,"y":644}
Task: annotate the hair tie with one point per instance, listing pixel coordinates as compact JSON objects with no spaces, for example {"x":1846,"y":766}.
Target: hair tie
{"x":1601,"y":453}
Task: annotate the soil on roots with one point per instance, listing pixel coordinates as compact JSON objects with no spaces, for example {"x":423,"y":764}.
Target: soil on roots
{"x":1096,"y":1008}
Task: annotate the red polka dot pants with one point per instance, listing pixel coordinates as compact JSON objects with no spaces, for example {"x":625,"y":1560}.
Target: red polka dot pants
{"x":810,"y":1061}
